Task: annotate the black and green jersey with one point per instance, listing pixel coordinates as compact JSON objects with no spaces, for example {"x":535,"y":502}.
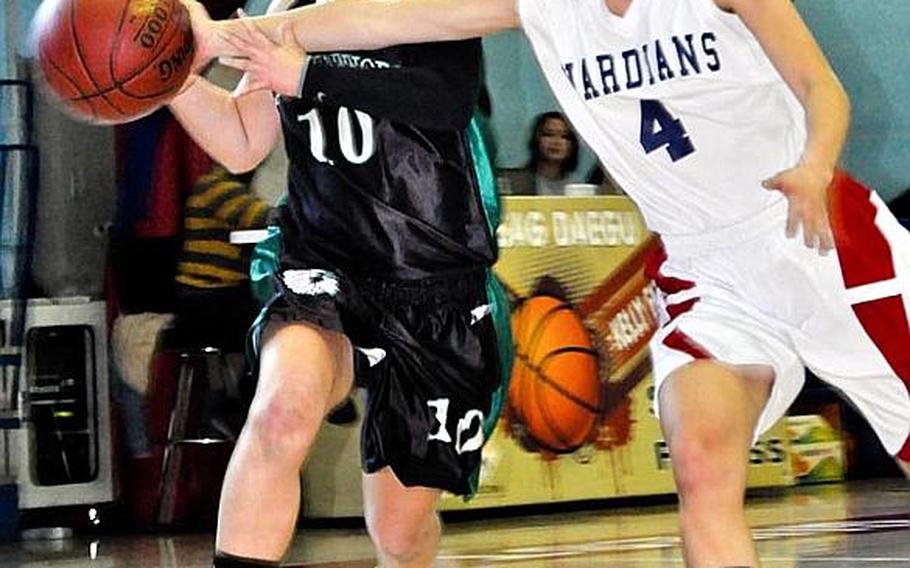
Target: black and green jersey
{"x":387,"y":235}
{"x":384,"y":165}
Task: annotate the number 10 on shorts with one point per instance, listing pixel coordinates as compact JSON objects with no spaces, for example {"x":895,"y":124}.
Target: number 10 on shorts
{"x":440,"y":409}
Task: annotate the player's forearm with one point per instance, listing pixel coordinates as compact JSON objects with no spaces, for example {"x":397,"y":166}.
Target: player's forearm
{"x":789,"y":44}
{"x":438,"y":89}
{"x":418,"y":97}
{"x":372,"y":24}
{"x":827,"y":121}
{"x":215,"y":120}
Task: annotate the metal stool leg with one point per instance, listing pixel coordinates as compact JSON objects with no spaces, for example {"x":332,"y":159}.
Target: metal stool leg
{"x":193,"y":366}
{"x":176,"y":432}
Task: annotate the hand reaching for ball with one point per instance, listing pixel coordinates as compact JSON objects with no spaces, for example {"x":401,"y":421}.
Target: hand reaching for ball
{"x":269,"y":65}
{"x":205,"y":31}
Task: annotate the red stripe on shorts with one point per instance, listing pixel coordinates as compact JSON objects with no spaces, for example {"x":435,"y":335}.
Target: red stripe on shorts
{"x":676,"y":339}
{"x":865,"y":257}
{"x":667,"y":284}
{"x":676,"y":310}
{"x":681,"y":342}
{"x":904,"y":453}
{"x":885,"y":320}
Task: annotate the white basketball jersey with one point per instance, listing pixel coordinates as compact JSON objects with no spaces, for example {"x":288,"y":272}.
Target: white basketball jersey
{"x":678,"y":101}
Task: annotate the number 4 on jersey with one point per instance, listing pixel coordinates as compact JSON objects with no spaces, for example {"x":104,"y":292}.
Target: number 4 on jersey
{"x":659,"y":129}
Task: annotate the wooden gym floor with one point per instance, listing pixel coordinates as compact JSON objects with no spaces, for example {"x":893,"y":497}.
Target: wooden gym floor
{"x":861,"y":524}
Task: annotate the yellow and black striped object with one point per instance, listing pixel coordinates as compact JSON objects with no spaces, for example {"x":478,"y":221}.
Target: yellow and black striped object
{"x":218,"y":204}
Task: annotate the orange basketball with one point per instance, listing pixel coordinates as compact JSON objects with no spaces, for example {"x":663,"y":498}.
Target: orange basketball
{"x":111,"y":61}
{"x":555,"y":388}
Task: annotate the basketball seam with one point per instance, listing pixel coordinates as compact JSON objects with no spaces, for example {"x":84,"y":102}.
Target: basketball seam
{"x":75,"y":84}
{"x":559,"y":388}
{"x":120,"y":89}
{"x":165,"y":42}
{"x":527,"y":387}
{"x":566,"y":392}
{"x":553,"y":426}
{"x":519,"y":382}
{"x":113,"y":51}
{"x":537,"y":334}
{"x":522,"y":382}
{"x":569,"y":349}
{"x":548,"y":421}
{"x":75,"y":40}
{"x":560,"y":436}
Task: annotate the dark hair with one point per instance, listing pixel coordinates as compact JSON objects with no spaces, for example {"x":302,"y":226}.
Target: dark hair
{"x":571,"y":160}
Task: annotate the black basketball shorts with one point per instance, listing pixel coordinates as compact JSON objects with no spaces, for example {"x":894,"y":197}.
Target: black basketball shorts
{"x":431,"y":355}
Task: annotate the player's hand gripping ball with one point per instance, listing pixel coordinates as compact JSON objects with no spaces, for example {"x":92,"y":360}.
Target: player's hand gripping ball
{"x":112,"y":61}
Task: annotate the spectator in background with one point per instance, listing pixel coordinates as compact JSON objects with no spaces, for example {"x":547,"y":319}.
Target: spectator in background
{"x":554,"y":155}
{"x":214,"y":303}
{"x":159,"y":168}
{"x":209,"y":301}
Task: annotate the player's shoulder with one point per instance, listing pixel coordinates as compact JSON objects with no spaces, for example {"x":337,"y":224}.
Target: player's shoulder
{"x":727,"y":5}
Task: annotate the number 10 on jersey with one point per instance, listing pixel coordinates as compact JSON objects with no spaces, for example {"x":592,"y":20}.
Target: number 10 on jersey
{"x":346,"y":136}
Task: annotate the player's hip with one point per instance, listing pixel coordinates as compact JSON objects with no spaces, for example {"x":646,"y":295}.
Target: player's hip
{"x":754,"y":268}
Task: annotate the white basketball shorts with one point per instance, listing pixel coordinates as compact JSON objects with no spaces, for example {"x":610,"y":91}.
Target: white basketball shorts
{"x":747,"y":294}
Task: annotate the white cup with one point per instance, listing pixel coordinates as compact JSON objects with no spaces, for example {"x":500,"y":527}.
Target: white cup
{"x":580,"y":189}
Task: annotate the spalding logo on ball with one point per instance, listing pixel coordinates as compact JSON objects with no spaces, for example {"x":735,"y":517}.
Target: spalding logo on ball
{"x":112,"y":61}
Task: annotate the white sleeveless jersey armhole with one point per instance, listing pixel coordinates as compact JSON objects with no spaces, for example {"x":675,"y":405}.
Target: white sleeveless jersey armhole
{"x":677,"y":99}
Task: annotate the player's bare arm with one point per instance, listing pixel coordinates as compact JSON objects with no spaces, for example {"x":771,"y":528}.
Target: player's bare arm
{"x":439,"y":93}
{"x":239,"y":128}
{"x":237,"y":131}
{"x":796,"y":56}
{"x":373,"y":24}
{"x":278,"y":67}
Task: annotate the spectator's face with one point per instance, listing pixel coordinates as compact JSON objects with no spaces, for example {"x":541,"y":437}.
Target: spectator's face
{"x":554,"y":143}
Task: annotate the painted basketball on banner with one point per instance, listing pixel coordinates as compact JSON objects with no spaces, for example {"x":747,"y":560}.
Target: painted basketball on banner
{"x":580,"y":331}
{"x":579,"y":421}
{"x":555,"y":392}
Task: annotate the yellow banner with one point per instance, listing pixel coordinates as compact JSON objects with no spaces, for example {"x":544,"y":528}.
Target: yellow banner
{"x":579,"y":422}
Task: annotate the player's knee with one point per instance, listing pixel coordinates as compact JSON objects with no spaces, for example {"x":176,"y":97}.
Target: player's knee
{"x":282,"y":426}
{"x":700,"y":465}
{"x":397,"y":542}
{"x":402,"y":539}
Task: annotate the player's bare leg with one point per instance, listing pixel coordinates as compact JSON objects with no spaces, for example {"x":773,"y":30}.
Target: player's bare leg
{"x":402,"y":521}
{"x":304,"y":372}
{"x":905,"y":467}
{"x":708,"y":414}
